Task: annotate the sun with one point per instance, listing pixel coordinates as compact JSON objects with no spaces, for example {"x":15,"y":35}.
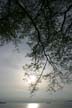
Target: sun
{"x":32,"y":79}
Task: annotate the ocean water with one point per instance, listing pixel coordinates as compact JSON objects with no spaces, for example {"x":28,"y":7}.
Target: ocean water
{"x":37,"y":105}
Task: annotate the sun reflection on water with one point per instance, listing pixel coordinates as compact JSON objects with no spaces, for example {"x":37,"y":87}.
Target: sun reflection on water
{"x":33,"y":105}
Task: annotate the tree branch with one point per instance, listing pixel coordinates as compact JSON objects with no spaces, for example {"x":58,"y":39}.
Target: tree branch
{"x":64,"y":19}
{"x":34,"y":87}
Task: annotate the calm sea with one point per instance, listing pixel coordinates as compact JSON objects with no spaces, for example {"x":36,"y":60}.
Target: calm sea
{"x":37,"y":105}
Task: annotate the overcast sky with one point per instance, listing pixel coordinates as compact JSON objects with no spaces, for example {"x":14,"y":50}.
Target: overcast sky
{"x":12,"y":86}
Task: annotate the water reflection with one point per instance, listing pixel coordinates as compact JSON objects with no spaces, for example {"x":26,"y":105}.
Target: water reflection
{"x":33,"y":105}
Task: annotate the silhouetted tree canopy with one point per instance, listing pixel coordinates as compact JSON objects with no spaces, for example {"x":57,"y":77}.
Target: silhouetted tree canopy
{"x":47,"y":24}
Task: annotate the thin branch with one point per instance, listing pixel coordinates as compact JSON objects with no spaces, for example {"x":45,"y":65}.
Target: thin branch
{"x":68,"y":28}
{"x":29,"y":16}
{"x":69,"y":8}
{"x":64,"y":19}
{"x":39,"y":78}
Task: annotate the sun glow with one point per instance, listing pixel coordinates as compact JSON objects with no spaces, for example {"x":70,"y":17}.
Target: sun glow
{"x":32,"y":79}
{"x":33,"y":105}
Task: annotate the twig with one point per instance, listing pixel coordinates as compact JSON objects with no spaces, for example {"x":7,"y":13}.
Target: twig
{"x":64,"y":19}
{"x":38,"y":78}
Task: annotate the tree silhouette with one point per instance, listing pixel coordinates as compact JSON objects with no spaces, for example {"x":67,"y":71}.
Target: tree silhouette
{"x":48,"y":26}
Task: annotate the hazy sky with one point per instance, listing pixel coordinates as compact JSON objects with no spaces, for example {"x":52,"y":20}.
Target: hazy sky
{"x":12,"y":86}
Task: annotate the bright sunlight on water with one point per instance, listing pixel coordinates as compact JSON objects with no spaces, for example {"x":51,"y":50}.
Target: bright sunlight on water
{"x":33,"y":105}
